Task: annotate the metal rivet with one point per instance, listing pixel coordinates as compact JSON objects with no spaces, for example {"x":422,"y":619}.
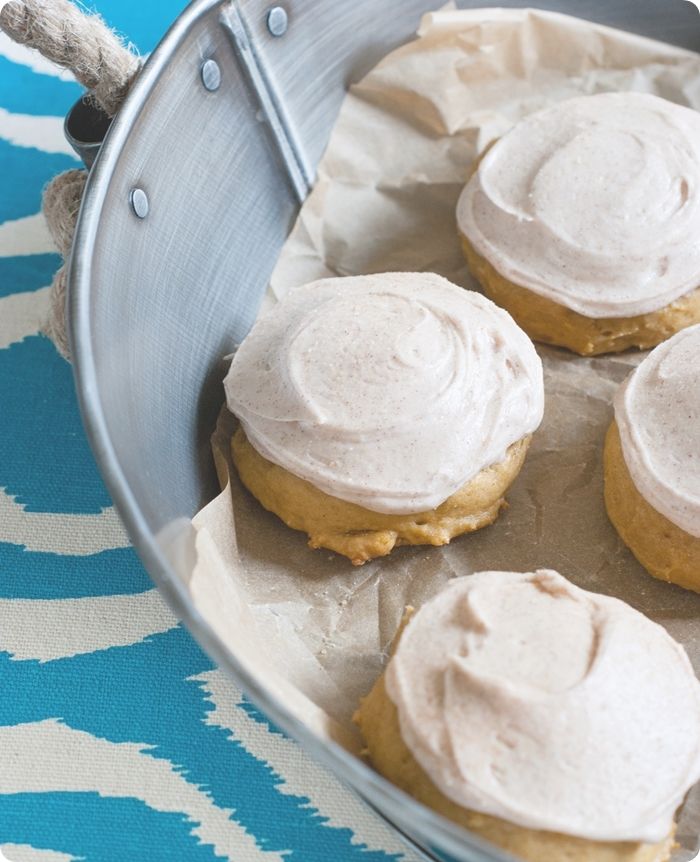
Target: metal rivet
{"x":211,"y":75}
{"x":139,"y":202}
{"x":277,"y":21}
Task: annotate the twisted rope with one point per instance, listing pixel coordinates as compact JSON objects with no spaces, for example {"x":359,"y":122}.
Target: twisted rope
{"x":106,"y":67}
{"x":61,"y":205}
{"x":77,"y":41}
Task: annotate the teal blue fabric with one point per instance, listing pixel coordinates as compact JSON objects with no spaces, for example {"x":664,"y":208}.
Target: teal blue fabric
{"x":119,"y":739}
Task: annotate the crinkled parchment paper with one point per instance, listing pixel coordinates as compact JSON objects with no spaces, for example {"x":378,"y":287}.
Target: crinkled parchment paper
{"x":311,"y":626}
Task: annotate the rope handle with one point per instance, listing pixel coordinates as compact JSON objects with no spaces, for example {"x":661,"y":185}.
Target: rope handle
{"x":77,"y":41}
{"x":106,"y":67}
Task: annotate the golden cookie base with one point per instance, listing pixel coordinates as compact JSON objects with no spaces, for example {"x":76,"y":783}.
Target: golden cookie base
{"x":360,"y":534}
{"x":665,"y":550}
{"x":549,"y":322}
{"x":378,"y":720}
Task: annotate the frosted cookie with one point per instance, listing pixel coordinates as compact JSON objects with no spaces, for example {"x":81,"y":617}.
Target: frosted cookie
{"x":556,"y":723}
{"x":582,"y":222}
{"x":383,"y":410}
{"x":652,"y":461}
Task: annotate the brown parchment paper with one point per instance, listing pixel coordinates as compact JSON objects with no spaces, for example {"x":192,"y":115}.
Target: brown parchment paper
{"x":310,"y":625}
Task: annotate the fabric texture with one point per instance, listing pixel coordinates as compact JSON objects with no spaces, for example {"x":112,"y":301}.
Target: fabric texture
{"x":119,"y":739}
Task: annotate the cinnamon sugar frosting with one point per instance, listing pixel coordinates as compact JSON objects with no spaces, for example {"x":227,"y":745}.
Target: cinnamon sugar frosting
{"x":527,"y":698}
{"x":593,"y":203}
{"x":390,"y":391}
{"x":657,"y":411}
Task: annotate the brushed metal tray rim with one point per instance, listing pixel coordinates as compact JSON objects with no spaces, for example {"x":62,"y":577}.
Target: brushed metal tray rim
{"x":429,"y":826}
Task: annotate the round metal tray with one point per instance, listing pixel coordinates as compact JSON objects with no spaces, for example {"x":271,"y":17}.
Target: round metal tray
{"x":188,"y":203}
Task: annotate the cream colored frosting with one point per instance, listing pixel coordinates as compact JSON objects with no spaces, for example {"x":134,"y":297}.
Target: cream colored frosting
{"x":593,"y":203}
{"x":525,"y":697}
{"x":390,"y":391}
{"x":657,"y":411}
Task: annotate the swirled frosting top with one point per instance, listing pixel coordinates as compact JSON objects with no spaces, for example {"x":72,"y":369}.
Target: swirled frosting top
{"x":390,"y":391}
{"x":657,"y":411}
{"x":593,"y":203}
{"x":527,"y":698}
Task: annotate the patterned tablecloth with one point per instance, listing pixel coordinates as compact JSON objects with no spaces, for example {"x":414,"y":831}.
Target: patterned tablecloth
{"x":119,"y":739}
